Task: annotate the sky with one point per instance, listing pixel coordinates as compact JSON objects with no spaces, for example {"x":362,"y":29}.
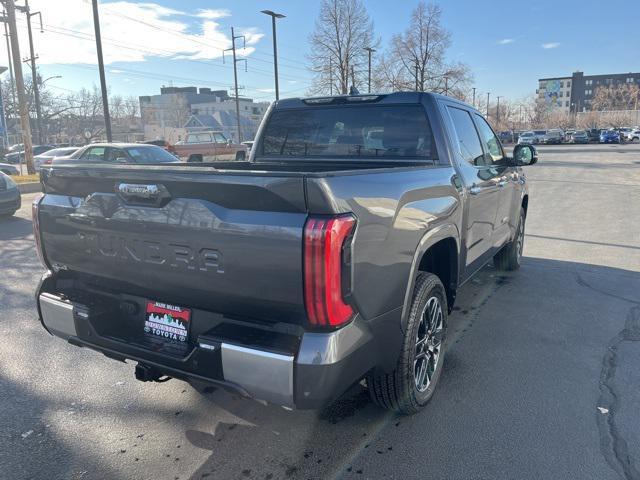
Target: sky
{"x":151,"y":43}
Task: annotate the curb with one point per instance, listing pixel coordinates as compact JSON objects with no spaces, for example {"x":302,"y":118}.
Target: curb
{"x":30,"y":187}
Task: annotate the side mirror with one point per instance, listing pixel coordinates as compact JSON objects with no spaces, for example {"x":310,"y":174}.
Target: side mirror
{"x":524,"y":155}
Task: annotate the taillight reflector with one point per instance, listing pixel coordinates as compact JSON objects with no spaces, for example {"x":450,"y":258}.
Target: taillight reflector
{"x":324,"y":239}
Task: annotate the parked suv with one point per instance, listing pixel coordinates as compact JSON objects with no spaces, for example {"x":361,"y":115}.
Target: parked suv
{"x":553,"y":136}
{"x":335,"y":253}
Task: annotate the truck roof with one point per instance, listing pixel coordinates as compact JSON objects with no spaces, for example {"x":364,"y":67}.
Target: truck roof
{"x":379,"y":98}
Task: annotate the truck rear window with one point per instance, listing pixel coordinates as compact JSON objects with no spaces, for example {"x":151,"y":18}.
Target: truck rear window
{"x":362,"y":131}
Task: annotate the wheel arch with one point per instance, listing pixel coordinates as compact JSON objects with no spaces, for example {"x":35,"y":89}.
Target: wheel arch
{"x":438,"y":252}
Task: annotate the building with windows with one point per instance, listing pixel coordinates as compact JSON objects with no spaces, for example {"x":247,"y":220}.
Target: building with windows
{"x":176,"y":110}
{"x":575,"y":93}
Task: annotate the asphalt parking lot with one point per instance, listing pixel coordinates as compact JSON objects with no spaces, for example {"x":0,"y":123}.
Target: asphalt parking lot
{"x":540,"y":381}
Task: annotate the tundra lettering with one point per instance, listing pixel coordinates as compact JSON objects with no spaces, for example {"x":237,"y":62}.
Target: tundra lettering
{"x":132,"y":249}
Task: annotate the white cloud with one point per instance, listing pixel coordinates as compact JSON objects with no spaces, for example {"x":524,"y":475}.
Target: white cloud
{"x":211,"y":13}
{"x":549,"y":45}
{"x":131,"y":32}
{"x":506,"y":41}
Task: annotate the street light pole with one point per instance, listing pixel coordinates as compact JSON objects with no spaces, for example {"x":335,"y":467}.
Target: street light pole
{"x":103,"y":81}
{"x":474,"y":97}
{"x":370,"y":51}
{"x":273,"y":16}
{"x":498,"y":110}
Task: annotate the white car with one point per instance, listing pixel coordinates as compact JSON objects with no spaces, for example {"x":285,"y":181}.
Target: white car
{"x":47,"y":157}
{"x":527,"y":138}
{"x":633,"y":135}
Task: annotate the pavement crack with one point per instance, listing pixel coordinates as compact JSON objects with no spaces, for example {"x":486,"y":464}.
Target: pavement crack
{"x":612,"y":444}
{"x":582,"y":282}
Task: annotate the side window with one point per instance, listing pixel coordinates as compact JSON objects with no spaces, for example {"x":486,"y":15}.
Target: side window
{"x":490,"y":141}
{"x":219,"y":138}
{"x":94,"y":154}
{"x":114,"y":153}
{"x":469,"y":143}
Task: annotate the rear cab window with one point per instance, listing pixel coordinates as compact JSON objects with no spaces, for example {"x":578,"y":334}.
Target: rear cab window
{"x":348,"y":132}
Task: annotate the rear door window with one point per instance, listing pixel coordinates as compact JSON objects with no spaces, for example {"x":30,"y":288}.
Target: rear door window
{"x":468,"y":141}
{"x":94,"y":154}
{"x":349,"y":131}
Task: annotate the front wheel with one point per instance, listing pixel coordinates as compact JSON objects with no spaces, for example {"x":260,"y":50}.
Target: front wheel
{"x":511,"y":254}
{"x":411,"y":385}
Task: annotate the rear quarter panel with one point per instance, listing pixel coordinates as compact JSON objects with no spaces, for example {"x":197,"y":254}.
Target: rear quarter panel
{"x":396,"y":209}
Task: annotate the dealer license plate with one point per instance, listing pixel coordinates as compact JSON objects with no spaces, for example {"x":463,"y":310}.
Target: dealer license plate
{"x":167,"y":321}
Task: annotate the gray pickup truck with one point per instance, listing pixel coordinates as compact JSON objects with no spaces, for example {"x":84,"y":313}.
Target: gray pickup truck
{"x":332,"y":255}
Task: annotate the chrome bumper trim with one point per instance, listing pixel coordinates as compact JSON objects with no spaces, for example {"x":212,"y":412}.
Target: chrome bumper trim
{"x":57,"y":316}
{"x":265,"y":375}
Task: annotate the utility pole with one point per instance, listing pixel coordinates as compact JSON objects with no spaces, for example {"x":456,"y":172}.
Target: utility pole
{"x":3,"y":117}
{"x":34,"y":71}
{"x":103,"y":81}
{"x":446,"y":85}
{"x":416,"y":70}
{"x":22,"y":101}
{"x":498,"y":110}
{"x":370,"y":51}
{"x":520,"y":116}
{"x":474,"y":97}
{"x":235,"y":77}
{"x":9,"y":61}
{"x":273,"y":16}
{"x":488,"y":93}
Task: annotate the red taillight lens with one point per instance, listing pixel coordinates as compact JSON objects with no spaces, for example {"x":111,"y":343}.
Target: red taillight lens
{"x":35,"y":207}
{"x":325,"y":239}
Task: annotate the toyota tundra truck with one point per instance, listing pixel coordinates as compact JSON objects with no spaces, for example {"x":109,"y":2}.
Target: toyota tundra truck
{"x":331,"y":255}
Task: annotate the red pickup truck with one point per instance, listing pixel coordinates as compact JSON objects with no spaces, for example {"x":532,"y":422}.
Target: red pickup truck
{"x":209,"y":147}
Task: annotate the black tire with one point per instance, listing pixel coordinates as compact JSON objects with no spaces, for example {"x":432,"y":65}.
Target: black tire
{"x":195,"y":158}
{"x":398,"y":391}
{"x":241,"y":156}
{"x":510,"y":256}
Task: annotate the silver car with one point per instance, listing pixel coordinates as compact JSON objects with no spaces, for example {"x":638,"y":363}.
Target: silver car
{"x":47,"y":157}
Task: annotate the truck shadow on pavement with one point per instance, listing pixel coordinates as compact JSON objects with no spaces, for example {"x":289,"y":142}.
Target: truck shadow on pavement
{"x":14,"y":228}
{"x":342,"y":440}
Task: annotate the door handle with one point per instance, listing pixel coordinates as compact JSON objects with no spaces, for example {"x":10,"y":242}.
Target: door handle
{"x":475,"y":190}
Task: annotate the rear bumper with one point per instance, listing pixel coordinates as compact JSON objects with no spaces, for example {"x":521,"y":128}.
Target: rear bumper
{"x":9,"y":201}
{"x":322,"y":368}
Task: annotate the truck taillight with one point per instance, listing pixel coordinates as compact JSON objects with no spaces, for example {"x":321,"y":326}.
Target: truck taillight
{"x":35,"y":207}
{"x":327,"y":269}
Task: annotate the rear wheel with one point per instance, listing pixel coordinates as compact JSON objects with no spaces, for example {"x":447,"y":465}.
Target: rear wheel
{"x":510,"y":256}
{"x":240,"y":156}
{"x":411,"y":385}
{"x":195,"y":158}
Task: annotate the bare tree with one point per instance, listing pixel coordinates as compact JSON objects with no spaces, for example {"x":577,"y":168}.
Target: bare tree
{"x":416,"y":59}
{"x":342,"y":32}
{"x":616,"y":97}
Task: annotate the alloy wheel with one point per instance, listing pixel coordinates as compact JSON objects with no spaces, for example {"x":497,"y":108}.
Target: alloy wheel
{"x":428,"y":344}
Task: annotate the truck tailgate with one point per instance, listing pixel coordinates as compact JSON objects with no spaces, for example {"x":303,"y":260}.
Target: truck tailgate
{"x":228,"y":243}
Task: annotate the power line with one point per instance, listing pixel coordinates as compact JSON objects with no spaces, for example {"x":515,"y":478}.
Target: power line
{"x":160,"y":52}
